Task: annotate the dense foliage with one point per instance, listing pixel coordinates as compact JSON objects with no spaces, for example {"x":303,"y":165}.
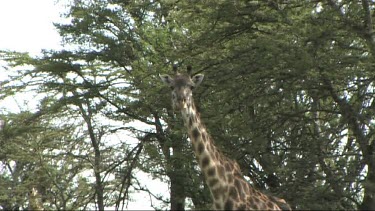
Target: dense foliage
{"x":288,"y":94}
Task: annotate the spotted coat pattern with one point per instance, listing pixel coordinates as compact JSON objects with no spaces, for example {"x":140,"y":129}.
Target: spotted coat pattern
{"x":229,"y":189}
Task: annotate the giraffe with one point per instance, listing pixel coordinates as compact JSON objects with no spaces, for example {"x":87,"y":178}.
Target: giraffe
{"x":223,"y":176}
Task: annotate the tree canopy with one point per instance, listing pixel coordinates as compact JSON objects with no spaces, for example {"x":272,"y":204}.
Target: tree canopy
{"x":288,"y":93}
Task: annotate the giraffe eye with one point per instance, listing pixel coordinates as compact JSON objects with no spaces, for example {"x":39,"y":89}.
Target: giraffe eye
{"x":192,"y":87}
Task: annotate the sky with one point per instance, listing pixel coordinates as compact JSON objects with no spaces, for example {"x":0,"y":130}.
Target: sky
{"x":27,"y":26}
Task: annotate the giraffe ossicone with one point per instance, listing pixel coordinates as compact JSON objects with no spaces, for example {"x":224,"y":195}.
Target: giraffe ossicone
{"x":223,"y":176}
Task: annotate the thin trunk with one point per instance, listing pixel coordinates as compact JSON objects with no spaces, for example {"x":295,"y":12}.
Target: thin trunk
{"x":177,"y":176}
{"x":97,"y":168}
{"x":87,"y":115}
{"x":175,"y":167}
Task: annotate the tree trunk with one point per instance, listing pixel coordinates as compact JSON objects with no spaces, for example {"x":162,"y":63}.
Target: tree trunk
{"x":98,"y":184}
{"x":178,"y":193}
{"x":87,"y":116}
{"x":175,"y":164}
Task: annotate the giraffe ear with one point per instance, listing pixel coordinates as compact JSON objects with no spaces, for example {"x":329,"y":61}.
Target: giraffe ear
{"x":166,"y":79}
{"x":197,"y":79}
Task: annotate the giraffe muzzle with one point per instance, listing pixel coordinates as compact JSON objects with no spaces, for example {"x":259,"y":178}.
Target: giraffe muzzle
{"x":181,"y":103}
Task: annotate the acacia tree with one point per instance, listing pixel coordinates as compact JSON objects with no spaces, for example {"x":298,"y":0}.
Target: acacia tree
{"x":36,"y":157}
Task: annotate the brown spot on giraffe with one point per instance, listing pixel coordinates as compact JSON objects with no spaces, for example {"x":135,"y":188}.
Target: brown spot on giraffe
{"x":229,"y":189}
{"x":211,"y":172}
{"x":233,"y":193}
{"x":205,"y":162}
{"x":228,"y":205}
{"x":216,"y":193}
{"x":200,"y":148}
{"x":196,"y":133}
{"x":212,"y":182}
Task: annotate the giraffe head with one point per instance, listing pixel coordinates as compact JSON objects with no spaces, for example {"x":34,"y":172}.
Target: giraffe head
{"x":182,"y":85}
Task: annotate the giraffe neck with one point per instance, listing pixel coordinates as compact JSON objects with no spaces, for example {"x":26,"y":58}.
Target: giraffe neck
{"x":211,"y":162}
{"x":202,"y":143}
{"x":203,"y":146}
{"x":223,"y":176}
